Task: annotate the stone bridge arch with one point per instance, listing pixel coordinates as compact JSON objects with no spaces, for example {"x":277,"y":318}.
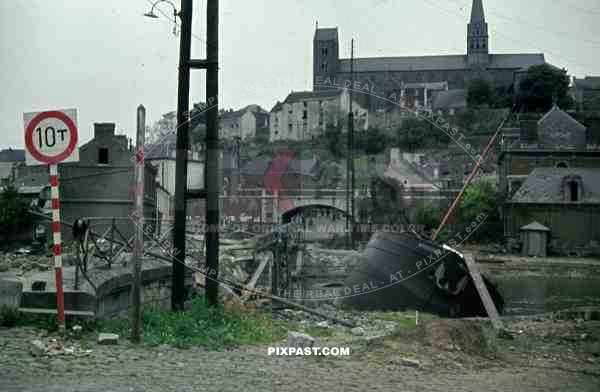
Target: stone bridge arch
{"x":312,"y":210}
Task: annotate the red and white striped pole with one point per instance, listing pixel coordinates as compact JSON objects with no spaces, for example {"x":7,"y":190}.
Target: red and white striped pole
{"x":60,"y":302}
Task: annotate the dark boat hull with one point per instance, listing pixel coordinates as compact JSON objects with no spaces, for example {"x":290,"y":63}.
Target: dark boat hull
{"x":434,"y":279}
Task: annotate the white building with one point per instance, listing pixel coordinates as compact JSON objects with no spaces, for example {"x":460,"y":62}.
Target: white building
{"x":242,"y":123}
{"x":162,"y":156}
{"x":305,"y":114}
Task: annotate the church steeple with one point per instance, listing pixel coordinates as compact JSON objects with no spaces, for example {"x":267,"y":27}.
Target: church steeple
{"x":477,"y":35}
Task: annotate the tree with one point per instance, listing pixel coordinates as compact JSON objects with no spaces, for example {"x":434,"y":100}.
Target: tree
{"x":333,"y":140}
{"x":14,"y":209}
{"x":542,"y":85}
{"x":413,"y":133}
{"x":161,"y":128}
{"x":479,"y":92}
{"x":480,"y":201}
{"x":168,"y":125}
{"x":372,"y":141}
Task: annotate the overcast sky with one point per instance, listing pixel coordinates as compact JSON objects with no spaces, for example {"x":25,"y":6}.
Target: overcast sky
{"x":104,"y":58}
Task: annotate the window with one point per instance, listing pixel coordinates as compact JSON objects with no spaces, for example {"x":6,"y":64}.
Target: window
{"x":304,"y":115}
{"x":324,"y":67}
{"x":324,"y":51}
{"x":574,"y":190}
{"x":103,"y":156}
{"x":290,"y":127}
{"x":305,"y":104}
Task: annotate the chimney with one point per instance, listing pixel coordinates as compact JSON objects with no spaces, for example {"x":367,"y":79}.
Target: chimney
{"x":104,"y":130}
{"x":529,"y":127}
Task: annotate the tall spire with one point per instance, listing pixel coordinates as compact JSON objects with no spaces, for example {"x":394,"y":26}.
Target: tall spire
{"x":477,"y":15}
{"x":477,"y":35}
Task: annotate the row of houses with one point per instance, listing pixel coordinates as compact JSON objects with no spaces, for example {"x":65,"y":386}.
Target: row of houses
{"x":304,"y":115}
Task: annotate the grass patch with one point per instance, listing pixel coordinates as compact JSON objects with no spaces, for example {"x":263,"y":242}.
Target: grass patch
{"x":201,"y":325}
{"x":403,"y":320}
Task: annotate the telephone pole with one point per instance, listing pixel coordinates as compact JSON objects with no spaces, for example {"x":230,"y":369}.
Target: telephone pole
{"x":183,"y":146}
{"x":211,"y":173}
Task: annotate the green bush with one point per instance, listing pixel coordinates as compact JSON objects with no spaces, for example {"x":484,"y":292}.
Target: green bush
{"x":479,"y":200}
{"x":8,"y":316}
{"x":13,"y":209}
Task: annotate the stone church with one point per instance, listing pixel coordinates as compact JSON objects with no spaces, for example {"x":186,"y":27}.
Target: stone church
{"x":420,"y":80}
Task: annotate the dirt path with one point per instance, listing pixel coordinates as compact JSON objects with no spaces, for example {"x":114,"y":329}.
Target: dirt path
{"x":128,"y":368}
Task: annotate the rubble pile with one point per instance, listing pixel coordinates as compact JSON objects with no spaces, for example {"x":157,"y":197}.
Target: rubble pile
{"x":24,"y":262}
{"x":53,"y":347}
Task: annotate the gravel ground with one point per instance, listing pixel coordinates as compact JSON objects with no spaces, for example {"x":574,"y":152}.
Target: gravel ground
{"x":530,"y":364}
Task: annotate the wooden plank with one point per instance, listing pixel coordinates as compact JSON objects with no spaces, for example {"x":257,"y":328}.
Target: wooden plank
{"x":255,"y":276}
{"x":80,"y":313}
{"x":484,"y":294}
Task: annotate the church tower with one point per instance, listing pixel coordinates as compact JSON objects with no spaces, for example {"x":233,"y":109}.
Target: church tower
{"x":325,"y":54}
{"x":477,"y":37}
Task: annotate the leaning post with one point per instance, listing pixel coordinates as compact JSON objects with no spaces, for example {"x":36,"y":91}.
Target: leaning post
{"x":138,"y":248}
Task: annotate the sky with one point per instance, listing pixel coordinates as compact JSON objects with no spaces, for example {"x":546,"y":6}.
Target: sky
{"x":104,"y":58}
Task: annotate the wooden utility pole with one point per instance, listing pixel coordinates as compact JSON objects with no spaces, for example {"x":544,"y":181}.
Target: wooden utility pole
{"x":138,"y":248}
{"x":213,"y":174}
{"x":183,"y":140}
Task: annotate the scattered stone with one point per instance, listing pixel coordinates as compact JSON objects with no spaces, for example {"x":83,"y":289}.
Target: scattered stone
{"x":374,"y":341}
{"x":108,"y":338}
{"x":357,"y":331}
{"x":77,"y":330}
{"x":323,"y":324}
{"x":298,"y":339}
{"x":37,"y":348}
{"x":410,"y":362}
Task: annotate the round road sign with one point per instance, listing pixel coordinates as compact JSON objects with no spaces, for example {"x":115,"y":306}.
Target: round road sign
{"x":51,"y":137}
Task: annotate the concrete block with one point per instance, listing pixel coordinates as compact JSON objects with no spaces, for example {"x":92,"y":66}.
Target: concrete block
{"x":10,"y":293}
{"x":298,"y":339}
{"x":108,"y":338}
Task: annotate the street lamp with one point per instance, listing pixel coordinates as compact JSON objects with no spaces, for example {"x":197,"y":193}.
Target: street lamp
{"x":151,"y":14}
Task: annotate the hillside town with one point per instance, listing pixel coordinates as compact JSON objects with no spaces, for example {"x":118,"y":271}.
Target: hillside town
{"x":432,"y":219}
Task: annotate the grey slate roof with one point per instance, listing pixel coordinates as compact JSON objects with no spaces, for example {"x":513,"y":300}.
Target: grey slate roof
{"x":414,"y":63}
{"x":12,"y":155}
{"x":557,"y":127}
{"x":587,"y":83}
{"x":534,"y":226}
{"x":449,"y":99}
{"x":516,"y":60}
{"x":444,"y":62}
{"x":298,"y":96}
{"x":165,"y":148}
{"x":258,"y":167}
{"x":545,"y":185}
{"x":326,"y":34}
